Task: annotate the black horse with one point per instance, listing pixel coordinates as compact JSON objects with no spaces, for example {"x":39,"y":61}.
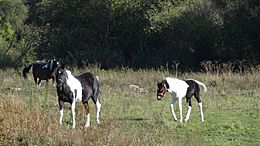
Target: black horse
{"x":80,"y":88}
{"x":42,"y":70}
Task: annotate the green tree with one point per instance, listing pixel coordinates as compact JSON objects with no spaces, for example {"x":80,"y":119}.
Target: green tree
{"x":141,"y":33}
{"x":13,"y":14}
{"x":186,"y":30}
{"x":241,"y":29}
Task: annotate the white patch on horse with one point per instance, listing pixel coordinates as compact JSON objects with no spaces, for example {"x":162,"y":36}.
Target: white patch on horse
{"x":74,"y":85}
{"x":178,"y":86}
{"x":61,"y":116}
{"x":88,"y":120}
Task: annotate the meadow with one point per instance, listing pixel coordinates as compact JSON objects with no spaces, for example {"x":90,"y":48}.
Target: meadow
{"x":30,"y":116}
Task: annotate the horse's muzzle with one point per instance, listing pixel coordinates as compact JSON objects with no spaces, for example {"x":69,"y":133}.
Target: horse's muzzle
{"x":160,"y":95}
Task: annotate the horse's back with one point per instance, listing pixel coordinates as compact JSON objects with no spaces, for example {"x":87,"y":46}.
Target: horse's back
{"x":90,"y":84}
{"x":38,"y":65}
{"x":86,"y":78}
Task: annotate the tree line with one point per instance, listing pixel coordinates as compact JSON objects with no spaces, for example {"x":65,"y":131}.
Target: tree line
{"x":132,"y":33}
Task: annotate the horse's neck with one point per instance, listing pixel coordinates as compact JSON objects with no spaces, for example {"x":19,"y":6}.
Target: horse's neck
{"x":51,"y":65}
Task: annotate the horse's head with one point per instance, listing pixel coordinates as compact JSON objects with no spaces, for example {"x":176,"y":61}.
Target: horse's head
{"x":54,"y":64}
{"x":162,"y":88}
{"x":61,"y":77}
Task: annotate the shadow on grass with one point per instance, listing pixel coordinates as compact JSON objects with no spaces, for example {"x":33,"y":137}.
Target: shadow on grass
{"x":133,"y":119}
{"x":137,"y":119}
{"x":129,"y":119}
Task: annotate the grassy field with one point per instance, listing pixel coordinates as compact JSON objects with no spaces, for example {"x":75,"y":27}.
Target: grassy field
{"x":231,"y":109}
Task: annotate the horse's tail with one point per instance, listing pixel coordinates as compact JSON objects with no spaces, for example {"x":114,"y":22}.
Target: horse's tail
{"x":26,"y":69}
{"x":202,"y":84}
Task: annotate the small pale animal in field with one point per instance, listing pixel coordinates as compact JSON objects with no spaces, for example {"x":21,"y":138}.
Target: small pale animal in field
{"x":137,"y":88}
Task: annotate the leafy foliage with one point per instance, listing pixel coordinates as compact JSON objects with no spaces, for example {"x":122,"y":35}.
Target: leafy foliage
{"x":137,"y":33}
{"x":13,"y":13}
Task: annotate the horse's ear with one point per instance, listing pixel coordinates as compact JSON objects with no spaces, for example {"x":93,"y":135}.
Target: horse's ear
{"x":62,"y":65}
{"x":61,"y":62}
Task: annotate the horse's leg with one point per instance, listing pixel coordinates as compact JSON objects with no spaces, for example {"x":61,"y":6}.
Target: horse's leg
{"x":39,"y":82}
{"x":201,"y":112}
{"x":197,"y":96}
{"x":96,"y":100}
{"x":53,"y":81}
{"x":174,"y":99}
{"x":61,"y":105}
{"x":73,"y":106}
{"x":180,"y":108}
{"x":188,"y":100}
{"x":35,"y":80}
{"x":189,"y":94}
{"x":88,"y":114}
{"x":98,"y":107}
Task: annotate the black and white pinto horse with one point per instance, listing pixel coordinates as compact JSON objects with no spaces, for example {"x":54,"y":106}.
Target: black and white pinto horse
{"x":77,"y":88}
{"x":42,"y":70}
{"x":179,"y":89}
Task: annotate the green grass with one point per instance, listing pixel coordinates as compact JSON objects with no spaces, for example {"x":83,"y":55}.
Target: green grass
{"x":231,"y":110}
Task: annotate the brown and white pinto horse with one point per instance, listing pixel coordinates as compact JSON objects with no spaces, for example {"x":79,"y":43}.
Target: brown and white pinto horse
{"x":180,"y":89}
